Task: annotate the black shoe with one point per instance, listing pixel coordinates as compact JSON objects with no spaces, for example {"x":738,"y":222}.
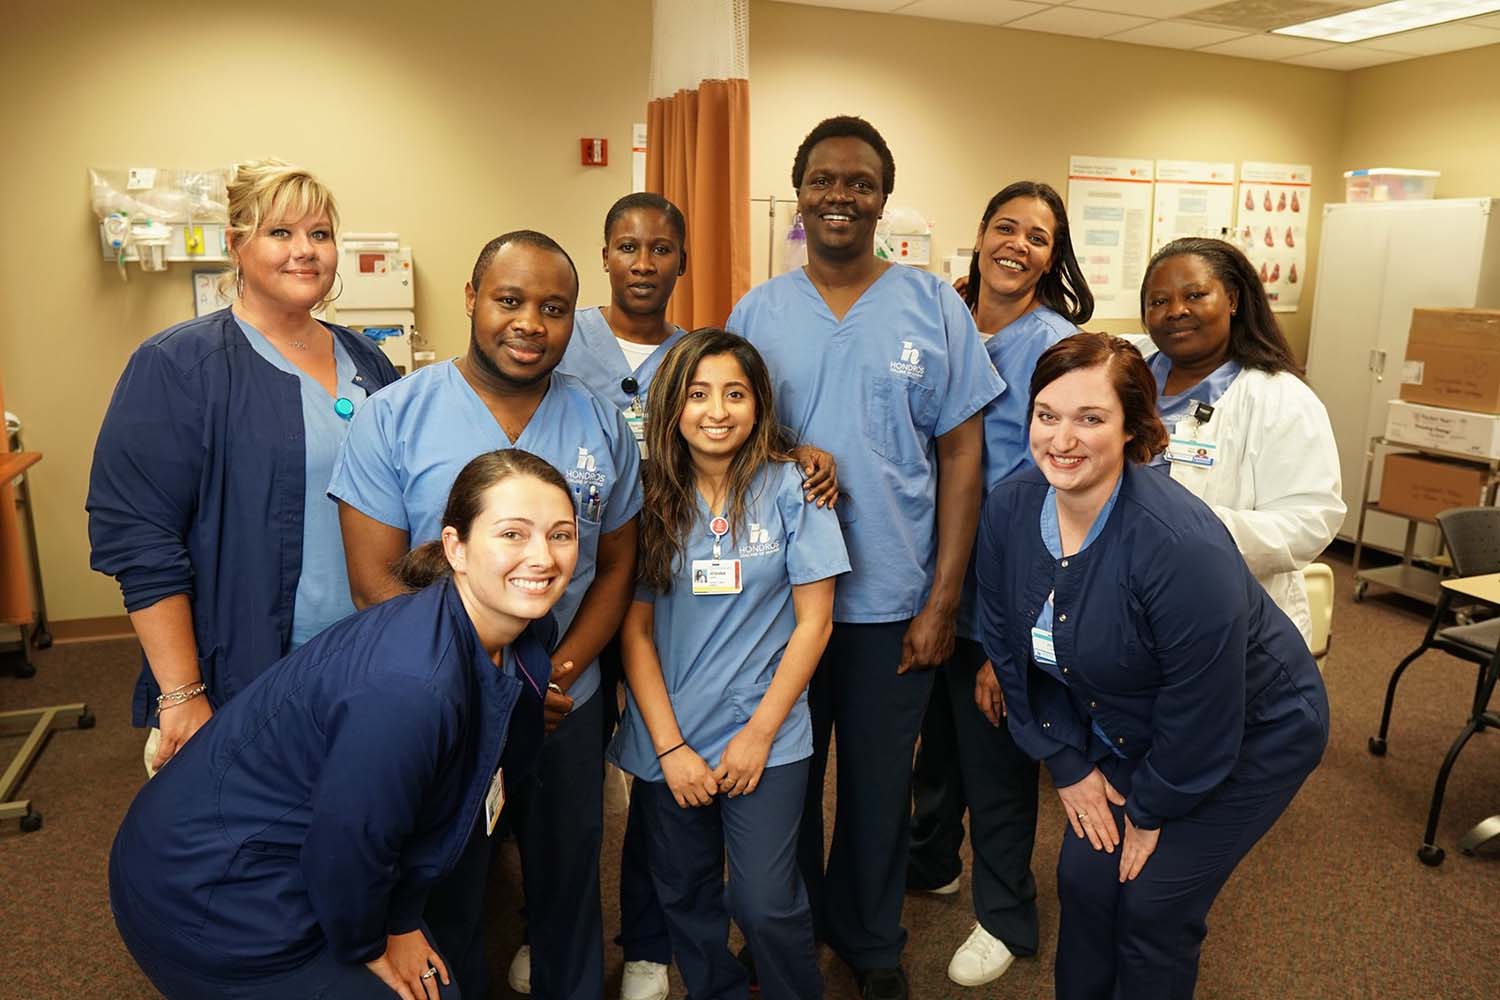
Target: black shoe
{"x":883,"y":984}
{"x":747,"y":959}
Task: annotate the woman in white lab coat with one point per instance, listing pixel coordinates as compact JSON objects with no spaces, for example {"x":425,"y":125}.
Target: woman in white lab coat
{"x":1248,"y":437}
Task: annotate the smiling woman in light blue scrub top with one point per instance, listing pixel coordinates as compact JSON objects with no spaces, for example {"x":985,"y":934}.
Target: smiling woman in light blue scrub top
{"x":733,"y":611}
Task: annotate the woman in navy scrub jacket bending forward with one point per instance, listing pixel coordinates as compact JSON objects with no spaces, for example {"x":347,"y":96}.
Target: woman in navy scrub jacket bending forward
{"x":288,"y":850}
{"x":734,"y":608}
{"x":1175,"y":705}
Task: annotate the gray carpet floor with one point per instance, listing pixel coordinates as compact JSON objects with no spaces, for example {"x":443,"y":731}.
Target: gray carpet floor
{"x":1331,"y":904}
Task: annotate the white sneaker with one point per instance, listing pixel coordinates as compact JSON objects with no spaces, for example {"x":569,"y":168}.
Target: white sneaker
{"x":644,"y":981}
{"x":947,"y":889}
{"x":979,"y":960}
{"x":519,"y":976}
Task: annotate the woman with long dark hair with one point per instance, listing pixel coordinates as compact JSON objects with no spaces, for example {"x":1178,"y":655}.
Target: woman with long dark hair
{"x":1026,"y":292}
{"x":734,"y":608}
{"x":1247,"y":435}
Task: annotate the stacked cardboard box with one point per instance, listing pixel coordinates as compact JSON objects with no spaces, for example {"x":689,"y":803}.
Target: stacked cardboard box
{"x":1450,"y":402}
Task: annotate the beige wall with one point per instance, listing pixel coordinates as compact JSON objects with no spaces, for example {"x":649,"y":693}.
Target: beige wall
{"x":1437,"y":113}
{"x":968,"y":109}
{"x":448,"y":123}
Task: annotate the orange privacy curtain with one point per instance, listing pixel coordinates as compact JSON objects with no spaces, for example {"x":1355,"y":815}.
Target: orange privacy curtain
{"x":698,"y":157}
{"x":698,"y":148}
{"x":15,"y":586}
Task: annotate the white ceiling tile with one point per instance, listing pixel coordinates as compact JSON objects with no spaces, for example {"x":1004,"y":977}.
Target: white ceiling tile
{"x":973,"y":11}
{"x":1176,"y":35}
{"x":1145,"y":8}
{"x":1075,"y":21}
{"x":1347,"y":57}
{"x":1438,"y":38}
{"x":1267,"y":47}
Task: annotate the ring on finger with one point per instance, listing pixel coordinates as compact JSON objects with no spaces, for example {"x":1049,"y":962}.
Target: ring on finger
{"x":429,"y":973}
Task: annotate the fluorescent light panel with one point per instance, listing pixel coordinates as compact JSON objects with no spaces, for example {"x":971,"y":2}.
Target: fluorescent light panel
{"x":1388,"y":19}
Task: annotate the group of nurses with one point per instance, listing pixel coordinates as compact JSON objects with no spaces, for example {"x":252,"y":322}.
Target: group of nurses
{"x":291,"y":849}
{"x":1026,"y":292}
{"x":207,"y":495}
{"x":731,"y":615}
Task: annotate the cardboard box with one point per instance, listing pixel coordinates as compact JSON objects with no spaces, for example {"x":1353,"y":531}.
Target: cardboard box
{"x":1458,"y":432}
{"x":1453,"y":359}
{"x":1422,"y":487}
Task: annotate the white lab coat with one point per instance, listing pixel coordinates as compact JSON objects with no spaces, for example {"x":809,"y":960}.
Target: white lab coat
{"x":1275,"y":480}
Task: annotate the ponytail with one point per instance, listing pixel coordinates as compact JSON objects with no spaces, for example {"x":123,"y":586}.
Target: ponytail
{"x":422,"y":566}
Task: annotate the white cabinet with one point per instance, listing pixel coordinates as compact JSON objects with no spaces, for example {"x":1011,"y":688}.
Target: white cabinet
{"x":1376,"y":263}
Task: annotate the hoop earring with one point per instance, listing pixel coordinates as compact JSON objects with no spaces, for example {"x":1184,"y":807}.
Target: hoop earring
{"x":239,"y":283}
{"x":340,"y":279}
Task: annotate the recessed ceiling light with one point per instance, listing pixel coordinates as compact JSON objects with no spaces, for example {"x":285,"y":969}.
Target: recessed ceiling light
{"x":1388,"y":19}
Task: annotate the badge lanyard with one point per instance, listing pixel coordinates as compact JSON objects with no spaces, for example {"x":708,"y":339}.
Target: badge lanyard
{"x":718,"y":527}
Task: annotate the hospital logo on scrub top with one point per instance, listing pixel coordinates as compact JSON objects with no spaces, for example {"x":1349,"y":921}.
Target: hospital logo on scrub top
{"x":586,"y":472}
{"x":758,"y":542}
{"x":909,"y":365}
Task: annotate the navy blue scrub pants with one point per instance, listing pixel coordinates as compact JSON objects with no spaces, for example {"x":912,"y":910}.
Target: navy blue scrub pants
{"x":998,"y":782}
{"x":766,"y":897}
{"x":643,"y":930}
{"x":1141,"y":940}
{"x":455,"y":912}
{"x":559,"y":823}
{"x":858,"y":698}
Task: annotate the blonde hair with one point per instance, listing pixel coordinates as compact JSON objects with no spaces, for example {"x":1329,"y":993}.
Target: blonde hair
{"x":270,"y":190}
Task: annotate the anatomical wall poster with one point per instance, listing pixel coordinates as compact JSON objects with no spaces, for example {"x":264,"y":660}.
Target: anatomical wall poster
{"x":1271,"y":227}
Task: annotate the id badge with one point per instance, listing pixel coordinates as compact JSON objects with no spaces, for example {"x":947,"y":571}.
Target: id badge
{"x":1041,"y":646}
{"x":716,"y":576}
{"x":494,"y":801}
{"x":1189,"y":451}
{"x":637,"y":421}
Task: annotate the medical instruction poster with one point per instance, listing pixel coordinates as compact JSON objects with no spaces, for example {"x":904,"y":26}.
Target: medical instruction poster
{"x":1109,"y":206}
{"x":1271,"y":227}
{"x":1192,"y":199}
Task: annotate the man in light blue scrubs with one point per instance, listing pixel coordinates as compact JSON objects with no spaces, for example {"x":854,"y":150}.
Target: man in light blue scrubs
{"x":402,"y":454}
{"x":882,"y":365}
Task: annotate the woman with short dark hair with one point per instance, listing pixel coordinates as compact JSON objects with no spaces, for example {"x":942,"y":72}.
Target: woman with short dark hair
{"x":1176,"y":707}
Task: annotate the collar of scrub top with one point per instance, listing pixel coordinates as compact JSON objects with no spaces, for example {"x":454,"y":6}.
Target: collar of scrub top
{"x":1205,"y":394}
{"x":1052,"y":534}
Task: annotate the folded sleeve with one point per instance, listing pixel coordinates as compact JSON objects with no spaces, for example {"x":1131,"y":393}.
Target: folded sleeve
{"x":367,"y":473}
{"x":383,"y":750}
{"x":814,"y":542}
{"x":1194,"y":593}
{"x":143,"y":486}
{"x":625,"y":500}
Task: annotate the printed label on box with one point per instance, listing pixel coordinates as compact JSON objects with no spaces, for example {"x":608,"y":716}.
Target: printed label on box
{"x":1411,"y":373}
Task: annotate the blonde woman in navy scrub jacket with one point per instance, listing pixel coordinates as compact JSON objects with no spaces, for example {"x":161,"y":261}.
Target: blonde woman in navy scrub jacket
{"x":1175,"y":705}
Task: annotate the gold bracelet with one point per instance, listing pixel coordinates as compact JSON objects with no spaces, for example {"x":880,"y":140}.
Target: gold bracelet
{"x":185,"y":693}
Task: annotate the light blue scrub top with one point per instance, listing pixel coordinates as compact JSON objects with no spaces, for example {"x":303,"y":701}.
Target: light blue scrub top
{"x":323,"y":588}
{"x":719,"y":652}
{"x":595,"y":358}
{"x":904,"y":367}
{"x":1007,"y":433}
{"x":1052,"y":537}
{"x":407,"y":446}
{"x":1174,"y":408}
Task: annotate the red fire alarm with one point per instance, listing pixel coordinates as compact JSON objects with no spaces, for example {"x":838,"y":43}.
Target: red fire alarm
{"x":594,"y":152}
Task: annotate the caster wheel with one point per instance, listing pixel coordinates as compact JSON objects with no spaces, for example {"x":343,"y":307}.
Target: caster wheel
{"x":1359,"y":591}
{"x":1463,"y":618}
{"x":1430,"y":856}
{"x":1377,"y":746}
{"x":42,"y":640}
{"x":31,"y":822}
{"x":25,"y":670}
{"x":86,"y":720}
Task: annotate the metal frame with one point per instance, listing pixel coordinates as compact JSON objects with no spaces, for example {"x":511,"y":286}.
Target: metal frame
{"x":1407,"y":577}
{"x":40,"y":721}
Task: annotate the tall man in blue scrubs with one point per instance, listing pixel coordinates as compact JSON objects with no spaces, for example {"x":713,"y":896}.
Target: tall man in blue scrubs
{"x":398,"y":463}
{"x":882,"y":365}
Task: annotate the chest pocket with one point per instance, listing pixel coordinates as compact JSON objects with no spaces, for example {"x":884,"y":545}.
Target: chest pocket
{"x":899,"y":418}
